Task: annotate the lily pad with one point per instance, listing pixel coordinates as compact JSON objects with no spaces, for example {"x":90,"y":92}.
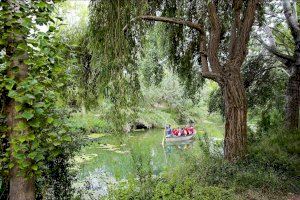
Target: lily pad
{"x":84,"y":158}
{"x":96,"y":135}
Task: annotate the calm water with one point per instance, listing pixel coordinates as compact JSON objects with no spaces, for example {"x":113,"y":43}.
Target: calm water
{"x":111,"y":158}
{"x":113,"y":153}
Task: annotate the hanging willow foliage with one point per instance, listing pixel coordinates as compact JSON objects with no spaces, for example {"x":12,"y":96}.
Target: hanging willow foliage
{"x":116,"y":30}
{"x":114,"y":51}
{"x":114,"y":55}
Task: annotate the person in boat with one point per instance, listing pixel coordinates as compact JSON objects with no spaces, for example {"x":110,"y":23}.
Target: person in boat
{"x":186,"y":130}
{"x":175,"y":132}
{"x":182,"y":132}
{"x":168,"y":130}
{"x":191,"y":130}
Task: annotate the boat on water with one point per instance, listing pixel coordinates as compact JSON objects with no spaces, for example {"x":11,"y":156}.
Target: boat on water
{"x":174,"y":138}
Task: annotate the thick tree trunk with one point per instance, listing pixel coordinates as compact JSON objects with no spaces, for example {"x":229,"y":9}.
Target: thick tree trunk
{"x":235,"y":141}
{"x":20,"y":188}
{"x":293,"y":86}
{"x":293,"y":99}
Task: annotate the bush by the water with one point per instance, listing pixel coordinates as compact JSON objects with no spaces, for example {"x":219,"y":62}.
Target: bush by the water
{"x":268,"y":172}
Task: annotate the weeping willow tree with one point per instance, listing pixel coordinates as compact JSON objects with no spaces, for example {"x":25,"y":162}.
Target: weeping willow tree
{"x":110,"y":59}
{"x":213,"y":34}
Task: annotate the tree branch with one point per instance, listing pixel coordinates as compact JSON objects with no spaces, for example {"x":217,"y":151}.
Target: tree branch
{"x":291,"y":20}
{"x":240,"y":51}
{"x":284,"y":58}
{"x":214,"y":39}
{"x":206,"y":73}
{"x":203,"y":48}
{"x":190,"y":24}
{"x":237,"y":6}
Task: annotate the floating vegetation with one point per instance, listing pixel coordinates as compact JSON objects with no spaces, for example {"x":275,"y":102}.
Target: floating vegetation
{"x":85,"y":157}
{"x":96,"y":135}
{"x":111,"y":147}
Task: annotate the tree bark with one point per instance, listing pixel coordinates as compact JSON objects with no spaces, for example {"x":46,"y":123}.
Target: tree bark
{"x":293,"y":100}
{"x":235,"y":140}
{"x":20,"y":187}
{"x":293,"y":86}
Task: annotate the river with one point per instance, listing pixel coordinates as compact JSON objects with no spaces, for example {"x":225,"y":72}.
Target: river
{"x":112,"y":158}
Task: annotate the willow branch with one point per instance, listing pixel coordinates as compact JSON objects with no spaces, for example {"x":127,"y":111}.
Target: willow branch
{"x":203,"y":49}
{"x":214,"y":39}
{"x":190,"y":24}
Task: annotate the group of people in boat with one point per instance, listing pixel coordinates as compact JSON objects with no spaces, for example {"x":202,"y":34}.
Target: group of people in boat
{"x":187,"y":130}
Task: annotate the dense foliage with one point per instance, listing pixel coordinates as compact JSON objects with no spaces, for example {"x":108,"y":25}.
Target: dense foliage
{"x":67,"y":78}
{"x":33,"y":73}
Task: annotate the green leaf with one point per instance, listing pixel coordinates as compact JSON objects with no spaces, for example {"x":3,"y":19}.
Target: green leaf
{"x":32,"y":155}
{"x":67,"y":138}
{"x":42,"y":4}
{"x":9,"y":85}
{"x":22,"y":46}
{"x":34,"y":123}
{"x":23,"y":164}
{"x":12,"y":94}
{"x":39,"y":104}
{"x":56,"y":143}
{"x":34,"y":167}
{"x":18,"y":107}
{"x":27,"y":115}
{"x":2,"y":42}
{"x":31,"y":136}
{"x":30,"y":96}
{"x":49,"y":120}
{"x":22,"y":138}
{"x":11,"y":165}
{"x":21,"y":126}
{"x":39,"y":157}
{"x":20,"y":156}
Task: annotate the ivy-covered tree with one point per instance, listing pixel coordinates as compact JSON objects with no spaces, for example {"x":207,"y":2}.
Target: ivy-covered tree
{"x":32,"y":73}
{"x":218,"y":35}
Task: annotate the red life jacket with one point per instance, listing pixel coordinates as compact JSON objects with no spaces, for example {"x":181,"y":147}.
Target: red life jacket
{"x":175,"y":132}
{"x":186,"y":131}
{"x":190,"y":130}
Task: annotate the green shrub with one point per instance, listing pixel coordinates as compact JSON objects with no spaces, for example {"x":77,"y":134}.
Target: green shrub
{"x":212,"y":192}
{"x":278,"y":149}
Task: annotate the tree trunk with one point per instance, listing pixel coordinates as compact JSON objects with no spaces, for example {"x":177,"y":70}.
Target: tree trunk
{"x":235,"y":141}
{"x":20,"y":188}
{"x":293,"y":99}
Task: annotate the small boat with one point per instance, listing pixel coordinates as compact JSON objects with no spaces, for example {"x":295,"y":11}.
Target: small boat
{"x":179,"y":138}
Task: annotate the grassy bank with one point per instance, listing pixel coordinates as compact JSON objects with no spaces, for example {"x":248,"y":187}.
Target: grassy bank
{"x":270,"y":171}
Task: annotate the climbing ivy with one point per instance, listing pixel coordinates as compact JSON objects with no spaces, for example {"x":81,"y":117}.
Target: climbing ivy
{"x":28,"y":38}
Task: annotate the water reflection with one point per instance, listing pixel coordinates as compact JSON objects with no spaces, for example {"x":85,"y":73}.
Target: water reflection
{"x":180,"y":145}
